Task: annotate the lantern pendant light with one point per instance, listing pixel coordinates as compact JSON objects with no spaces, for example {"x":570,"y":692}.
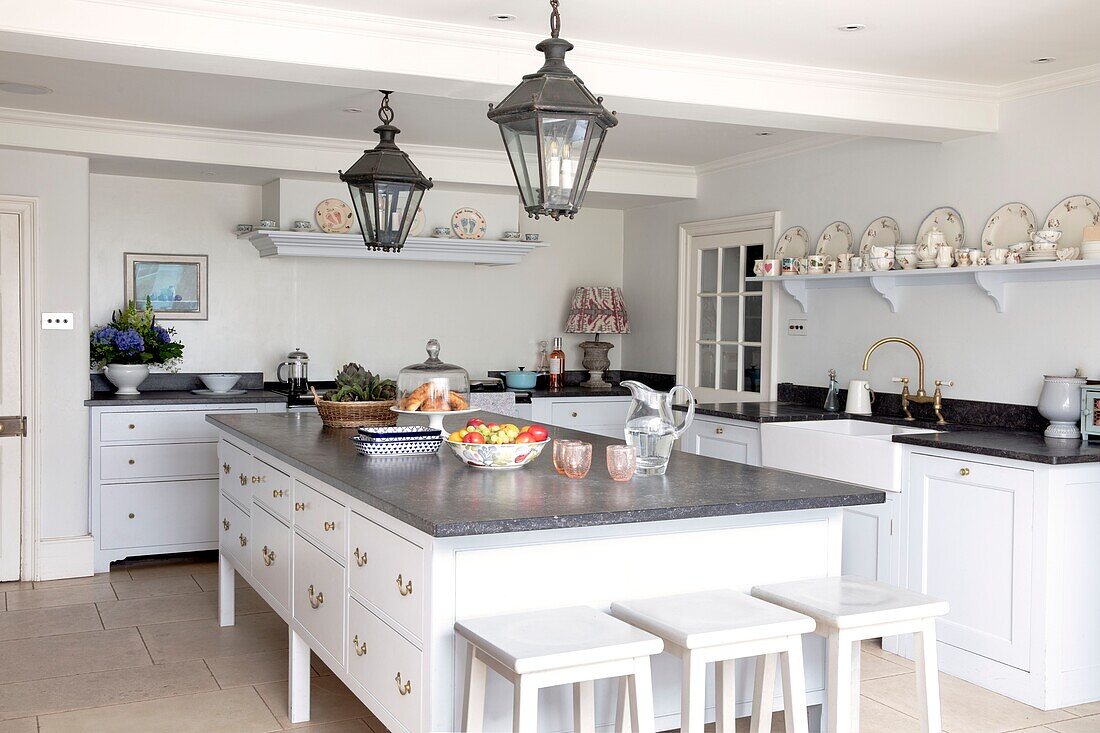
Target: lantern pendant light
{"x":386,"y":187}
{"x":553,"y":128}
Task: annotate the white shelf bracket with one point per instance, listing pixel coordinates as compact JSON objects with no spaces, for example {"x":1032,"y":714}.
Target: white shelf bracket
{"x":797,"y":289}
{"x":887,"y":287}
{"x":993,"y":285}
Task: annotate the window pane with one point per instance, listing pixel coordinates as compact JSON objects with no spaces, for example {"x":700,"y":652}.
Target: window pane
{"x":731,"y":270}
{"x":754,"y":308}
{"x":708,"y":271}
{"x":731,"y":308}
{"x":706,"y":365}
{"x":708,"y":318}
{"x":752,"y":254}
{"x":729,"y":368}
{"x":752,"y":369}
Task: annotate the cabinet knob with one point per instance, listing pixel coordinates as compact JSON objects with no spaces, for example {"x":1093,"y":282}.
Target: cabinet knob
{"x":130,"y":515}
{"x":299,"y":506}
{"x":268,"y":556}
{"x":131,"y":426}
{"x":244,"y":540}
{"x":315,"y":601}
{"x":360,"y":557}
{"x":360,"y":649}
{"x":404,"y":588}
{"x":276,"y":493}
{"x":330,"y":526}
{"x":131,"y":461}
{"x":573,"y":414}
{"x":964,"y":471}
{"x":405,"y":687}
{"x":225,"y":468}
{"x":225,"y":524}
{"x":719,"y":431}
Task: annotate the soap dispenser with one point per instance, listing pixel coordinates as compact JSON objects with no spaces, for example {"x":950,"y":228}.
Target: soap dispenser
{"x":832,"y":400}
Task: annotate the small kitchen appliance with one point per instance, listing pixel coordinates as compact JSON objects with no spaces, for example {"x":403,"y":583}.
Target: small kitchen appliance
{"x":297,"y":372}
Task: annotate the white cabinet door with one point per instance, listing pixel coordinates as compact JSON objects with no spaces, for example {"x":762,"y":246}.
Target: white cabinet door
{"x":723,"y":439}
{"x":970,"y":543}
{"x":870,"y":547}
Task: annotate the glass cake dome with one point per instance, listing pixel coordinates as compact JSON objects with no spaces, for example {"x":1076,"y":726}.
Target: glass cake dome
{"x":433,"y":385}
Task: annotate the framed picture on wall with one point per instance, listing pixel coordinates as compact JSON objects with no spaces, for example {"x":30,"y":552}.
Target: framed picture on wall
{"x":176,"y":284}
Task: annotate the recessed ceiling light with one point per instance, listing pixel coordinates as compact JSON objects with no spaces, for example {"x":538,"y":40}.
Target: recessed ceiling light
{"x":764,"y":133}
{"x":1043,"y":60}
{"x":852,"y":27}
{"x":503,"y":17}
{"x":353,"y":110}
{"x":15,"y":87}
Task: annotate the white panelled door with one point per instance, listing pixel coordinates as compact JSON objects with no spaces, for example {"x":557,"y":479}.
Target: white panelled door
{"x":11,"y":397}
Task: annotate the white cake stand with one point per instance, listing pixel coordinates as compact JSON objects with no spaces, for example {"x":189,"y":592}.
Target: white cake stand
{"x":435,"y":419}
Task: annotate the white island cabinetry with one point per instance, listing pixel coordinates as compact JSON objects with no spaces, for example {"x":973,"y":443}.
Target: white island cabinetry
{"x":728,"y":440}
{"x":600,"y":415}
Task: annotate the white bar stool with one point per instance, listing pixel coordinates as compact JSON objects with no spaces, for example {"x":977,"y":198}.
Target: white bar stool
{"x":556,"y":647}
{"x":850,"y":609}
{"x":721,"y":626}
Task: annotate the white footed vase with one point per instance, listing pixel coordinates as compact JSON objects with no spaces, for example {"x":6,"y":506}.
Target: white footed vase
{"x":126,"y":377}
{"x":1060,"y":402}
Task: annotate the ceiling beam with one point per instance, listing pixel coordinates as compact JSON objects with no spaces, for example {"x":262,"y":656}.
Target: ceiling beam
{"x":283,"y":41}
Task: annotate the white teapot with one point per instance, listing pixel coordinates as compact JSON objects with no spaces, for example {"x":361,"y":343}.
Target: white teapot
{"x":929,"y":246}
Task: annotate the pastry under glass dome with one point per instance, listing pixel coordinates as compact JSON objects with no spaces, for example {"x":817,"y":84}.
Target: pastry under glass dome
{"x":433,"y":385}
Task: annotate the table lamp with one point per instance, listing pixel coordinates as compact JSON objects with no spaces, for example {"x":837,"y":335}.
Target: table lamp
{"x":597,"y":309}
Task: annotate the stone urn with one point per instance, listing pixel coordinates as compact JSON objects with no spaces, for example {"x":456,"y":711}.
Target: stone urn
{"x":1060,"y":402}
{"x":126,"y":377}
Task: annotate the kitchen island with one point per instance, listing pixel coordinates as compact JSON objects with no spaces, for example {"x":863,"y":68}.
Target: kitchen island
{"x":371,"y":561}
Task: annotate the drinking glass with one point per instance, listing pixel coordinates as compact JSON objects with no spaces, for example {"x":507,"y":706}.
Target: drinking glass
{"x":576,"y":458}
{"x":560,"y":444}
{"x":621,"y":462}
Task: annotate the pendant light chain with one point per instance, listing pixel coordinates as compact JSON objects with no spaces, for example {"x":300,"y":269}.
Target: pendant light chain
{"x":384,"y":112}
{"x":555,"y":18}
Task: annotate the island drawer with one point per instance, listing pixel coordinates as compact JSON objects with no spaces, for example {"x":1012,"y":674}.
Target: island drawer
{"x":588,"y":413}
{"x":234,"y":473}
{"x":320,"y":517}
{"x":388,"y":571}
{"x":171,"y":460}
{"x":385,"y":663}
{"x":158,"y":513}
{"x":318,"y":596}
{"x":161,"y":426}
{"x":270,"y":545}
{"x":272,"y":488}
{"x":236,"y":529}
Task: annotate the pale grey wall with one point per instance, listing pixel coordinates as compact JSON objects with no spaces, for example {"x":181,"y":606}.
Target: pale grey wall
{"x":1047,"y":149}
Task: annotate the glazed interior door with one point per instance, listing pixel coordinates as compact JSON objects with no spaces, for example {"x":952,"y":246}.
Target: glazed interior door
{"x":11,"y":398}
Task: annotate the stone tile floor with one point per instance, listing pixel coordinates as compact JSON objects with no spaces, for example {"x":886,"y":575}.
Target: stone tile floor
{"x":139,"y":650}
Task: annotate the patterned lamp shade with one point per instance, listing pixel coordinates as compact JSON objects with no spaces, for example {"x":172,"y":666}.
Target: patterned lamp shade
{"x":598,"y":310}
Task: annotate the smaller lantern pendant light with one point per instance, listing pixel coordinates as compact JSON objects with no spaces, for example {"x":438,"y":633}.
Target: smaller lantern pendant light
{"x":553,"y":128}
{"x":386,"y":187}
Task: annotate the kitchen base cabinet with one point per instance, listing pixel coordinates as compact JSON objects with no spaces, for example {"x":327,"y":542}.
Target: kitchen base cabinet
{"x":600,"y":415}
{"x":871,"y":539}
{"x":728,"y":440}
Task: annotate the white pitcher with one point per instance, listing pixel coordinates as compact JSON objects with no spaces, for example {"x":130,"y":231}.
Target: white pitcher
{"x":651,"y":425}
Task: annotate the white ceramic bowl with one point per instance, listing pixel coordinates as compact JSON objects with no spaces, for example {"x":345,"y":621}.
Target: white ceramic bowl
{"x":220,"y":382}
{"x":1047,"y":235}
{"x":497,"y":457}
{"x":1043,"y":245}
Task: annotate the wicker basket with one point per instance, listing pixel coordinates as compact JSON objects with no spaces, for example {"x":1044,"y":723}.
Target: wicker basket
{"x":355,"y":414}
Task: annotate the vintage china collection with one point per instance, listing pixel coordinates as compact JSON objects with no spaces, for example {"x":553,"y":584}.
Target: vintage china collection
{"x":836,"y":238}
{"x":1071,"y":215}
{"x":468,"y":223}
{"x":948,"y":221}
{"x":333,"y":216}
{"x":1008,"y":224}
{"x":795,"y":242}
{"x":883,"y":231}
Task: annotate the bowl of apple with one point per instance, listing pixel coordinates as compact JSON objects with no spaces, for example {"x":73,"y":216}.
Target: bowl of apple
{"x":498,"y":446}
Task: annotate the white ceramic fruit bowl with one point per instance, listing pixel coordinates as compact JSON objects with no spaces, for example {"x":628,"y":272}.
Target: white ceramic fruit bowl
{"x":498,"y":457}
{"x":219,"y":382}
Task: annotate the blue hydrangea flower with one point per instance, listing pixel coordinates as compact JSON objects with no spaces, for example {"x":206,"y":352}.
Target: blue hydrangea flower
{"x":162,"y":335}
{"x":129,"y":340}
{"x":105,"y":335}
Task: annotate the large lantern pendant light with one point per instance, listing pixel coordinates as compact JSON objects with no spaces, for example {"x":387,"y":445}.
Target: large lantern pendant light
{"x":553,"y":128}
{"x":386,"y":187}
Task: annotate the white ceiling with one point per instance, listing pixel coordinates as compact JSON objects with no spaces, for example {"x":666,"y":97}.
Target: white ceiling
{"x":261,"y":105}
{"x":976,"y":41}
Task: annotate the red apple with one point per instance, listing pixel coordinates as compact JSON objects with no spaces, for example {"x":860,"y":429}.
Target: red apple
{"x":474,"y":437}
{"x":538,"y":432}
{"x":473,"y":422}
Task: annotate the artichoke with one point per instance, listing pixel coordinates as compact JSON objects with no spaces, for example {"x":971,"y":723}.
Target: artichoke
{"x":356,"y":384}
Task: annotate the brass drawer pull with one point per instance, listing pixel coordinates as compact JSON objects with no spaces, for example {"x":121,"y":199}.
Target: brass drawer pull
{"x":360,"y":557}
{"x":404,"y":588}
{"x":259,"y":479}
{"x":317,"y":600}
{"x":405,"y":687}
{"x":719,"y":431}
{"x":330,"y":526}
{"x":244,"y":540}
{"x":299,"y":506}
{"x":964,"y":471}
{"x":268,"y":555}
{"x":225,"y":524}
{"x":130,"y":515}
{"x":360,"y":649}
{"x":131,"y":461}
{"x":244,"y":480}
{"x":276,"y":493}
{"x":572,"y":414}
{"x":131,"y":426}
{"x":225,"y":468}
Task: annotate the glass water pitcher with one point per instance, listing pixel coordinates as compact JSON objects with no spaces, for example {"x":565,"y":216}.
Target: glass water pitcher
{"x":651,"y":425}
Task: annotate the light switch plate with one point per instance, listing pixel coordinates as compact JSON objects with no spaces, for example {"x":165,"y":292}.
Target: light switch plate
{"x":57,"y":321}
{"x":796,"y":327}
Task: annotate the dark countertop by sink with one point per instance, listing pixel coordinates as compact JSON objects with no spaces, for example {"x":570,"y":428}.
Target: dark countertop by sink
{"x":444,"y":498}
{"x":182,"y":397}
{"x":574,"y":391}
{"x":762,"y":411}
{"x":1032,"y":447}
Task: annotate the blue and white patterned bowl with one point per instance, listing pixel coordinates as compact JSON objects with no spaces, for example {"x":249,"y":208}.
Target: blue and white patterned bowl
{"x":400,"y":433}
{"x":497,"y":457}
{"x":396,"y":448}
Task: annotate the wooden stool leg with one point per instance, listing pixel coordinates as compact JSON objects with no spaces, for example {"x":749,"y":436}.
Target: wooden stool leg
{"x":725,"y":697}
{"x":692,"y":693}
{"x":794,"y":687}
{"x":473,"y":695}
{"x":641,"y":697}
{"x":622,"y":713}
{"x":763,"y":691}
{"x":525,"y":707}
{"x":928,"y":681}
{"x":584,"y":707}
{"x":839,"y":683}
{"x":298,"y":672}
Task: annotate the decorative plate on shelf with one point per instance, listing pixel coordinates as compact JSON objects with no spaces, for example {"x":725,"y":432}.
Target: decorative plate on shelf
{"x":417,"y":226}
{"x":468,"y":223}
{"x":948,"y":221}
{"x":882,"y":232}
{"x":835,"y":240}
{"x":1009,"y":224}
{"x":795,"y":242}
{"x":334,"y":216}
{"x":1071,"y":216}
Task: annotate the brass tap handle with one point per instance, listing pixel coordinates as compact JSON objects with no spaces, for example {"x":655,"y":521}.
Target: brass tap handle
{"x":937,"y":399}
{"x":904,"y":396}
{"x":404,"y":588}
{"x":360,"y":649}
{"x":315,"y":601}
{"x":405,"y":687}
{"x":360,"y":557}
{"x":225,"y":524}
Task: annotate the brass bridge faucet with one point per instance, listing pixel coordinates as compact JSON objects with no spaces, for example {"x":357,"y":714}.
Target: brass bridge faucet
{"x":921,"y":397}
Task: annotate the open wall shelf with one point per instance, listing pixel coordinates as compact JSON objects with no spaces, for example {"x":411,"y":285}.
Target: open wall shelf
{"x":991,"y":280}
{"x":416,"y":249}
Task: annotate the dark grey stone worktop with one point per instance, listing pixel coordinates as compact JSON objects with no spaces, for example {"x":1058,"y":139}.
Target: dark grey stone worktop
{"x":182,"y":397}
{"x":761,"y":411}
{"x":1032,"y":447}
{"x":442,"y":497}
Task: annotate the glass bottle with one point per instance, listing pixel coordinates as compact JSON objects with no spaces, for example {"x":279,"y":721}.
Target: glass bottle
{"x":832,"y":399}
{"x":542,"y":364}
{"x":557,"y":365}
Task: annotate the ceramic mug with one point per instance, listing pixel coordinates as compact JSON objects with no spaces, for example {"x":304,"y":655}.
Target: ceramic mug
{"x":1019,"y":247}
{"x":856,"y":264}
{"x":945,"y":256}
{"x":441,"y":232}
{"x":998,"y":255}
{"x":302,"y":225}
{"x":816,"y":264}
{"x":881,"y":264}
{"x":244,"y":228}
{"x":511,"y":236}
{"x":907,"y":262}
{"x":766,"y":268}
{"x":830,"y":267}
{"x":962,"y":258}
{"x":982,"y":261}
{"x":803,"y":264}
{"x":790,"y":266}
{"x":1014,"y":258}
{"x":267,"y":223}
{"x":844,"y":262}
{"x":877,"y":251}
{"x":530,"y":237}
